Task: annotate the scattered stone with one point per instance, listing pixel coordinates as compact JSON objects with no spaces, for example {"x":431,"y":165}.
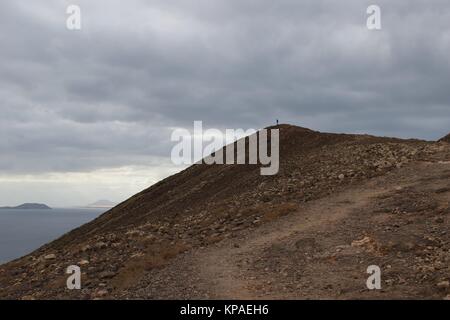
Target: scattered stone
{"x":362,"y":242}
{"x":100,"y":245}
{"x":439,"y":220}
{"x":106,"y":275}
{"x":101,"y":293}
{"x":443,"y":285}
{"x":86,"y":248}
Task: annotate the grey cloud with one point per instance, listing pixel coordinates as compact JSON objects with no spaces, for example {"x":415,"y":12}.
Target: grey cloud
{"x":107,"y":95}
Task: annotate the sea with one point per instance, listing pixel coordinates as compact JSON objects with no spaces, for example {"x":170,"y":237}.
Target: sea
{"x":22,"y":231}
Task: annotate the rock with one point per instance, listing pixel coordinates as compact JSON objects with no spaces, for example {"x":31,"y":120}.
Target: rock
{"x":341,"y":176}
{"x":137,"y":255}
{"x":101,"y":293}
{"x":86,"y":248}
{"x":439,"y":220}
{"x":362,"y":242}
{"x":443,"y":285}
{"x":50,"y":256}
{"x":106,"y":275}
{"x":100,"y":245}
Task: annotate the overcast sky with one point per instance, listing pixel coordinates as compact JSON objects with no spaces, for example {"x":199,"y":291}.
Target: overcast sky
{"x":87,"y":115}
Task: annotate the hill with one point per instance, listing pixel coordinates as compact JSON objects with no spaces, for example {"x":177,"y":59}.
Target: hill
{"x":102,"y":204}
{"x":29,"y":206}
{"x":446,"y":138}
{"x":339,"y":203}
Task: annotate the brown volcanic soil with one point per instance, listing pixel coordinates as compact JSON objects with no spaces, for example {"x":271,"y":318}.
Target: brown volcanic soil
{"x":339,"y":204}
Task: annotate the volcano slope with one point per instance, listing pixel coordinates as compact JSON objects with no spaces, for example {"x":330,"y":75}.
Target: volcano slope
{"x":338,"y":204}
{"x":446,"y":138}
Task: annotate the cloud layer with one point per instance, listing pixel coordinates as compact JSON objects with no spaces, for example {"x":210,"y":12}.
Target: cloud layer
{"x":107,"y":96}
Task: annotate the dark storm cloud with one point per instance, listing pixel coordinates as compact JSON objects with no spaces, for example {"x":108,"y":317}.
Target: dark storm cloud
{"x":107,"y":95}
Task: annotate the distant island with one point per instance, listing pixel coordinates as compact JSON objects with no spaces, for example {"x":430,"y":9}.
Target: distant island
{"x":102,"y":204}
{"x":29,"y":206}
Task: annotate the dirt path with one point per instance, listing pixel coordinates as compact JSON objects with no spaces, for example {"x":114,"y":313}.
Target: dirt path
{"x":226,"y":264}
{"x":310,"y":253}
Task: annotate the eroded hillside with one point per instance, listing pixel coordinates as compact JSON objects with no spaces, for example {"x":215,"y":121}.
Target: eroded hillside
{"x":338,"y":203}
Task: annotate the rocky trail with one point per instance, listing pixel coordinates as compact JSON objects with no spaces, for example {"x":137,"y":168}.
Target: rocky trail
{"x":227,"y":264}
